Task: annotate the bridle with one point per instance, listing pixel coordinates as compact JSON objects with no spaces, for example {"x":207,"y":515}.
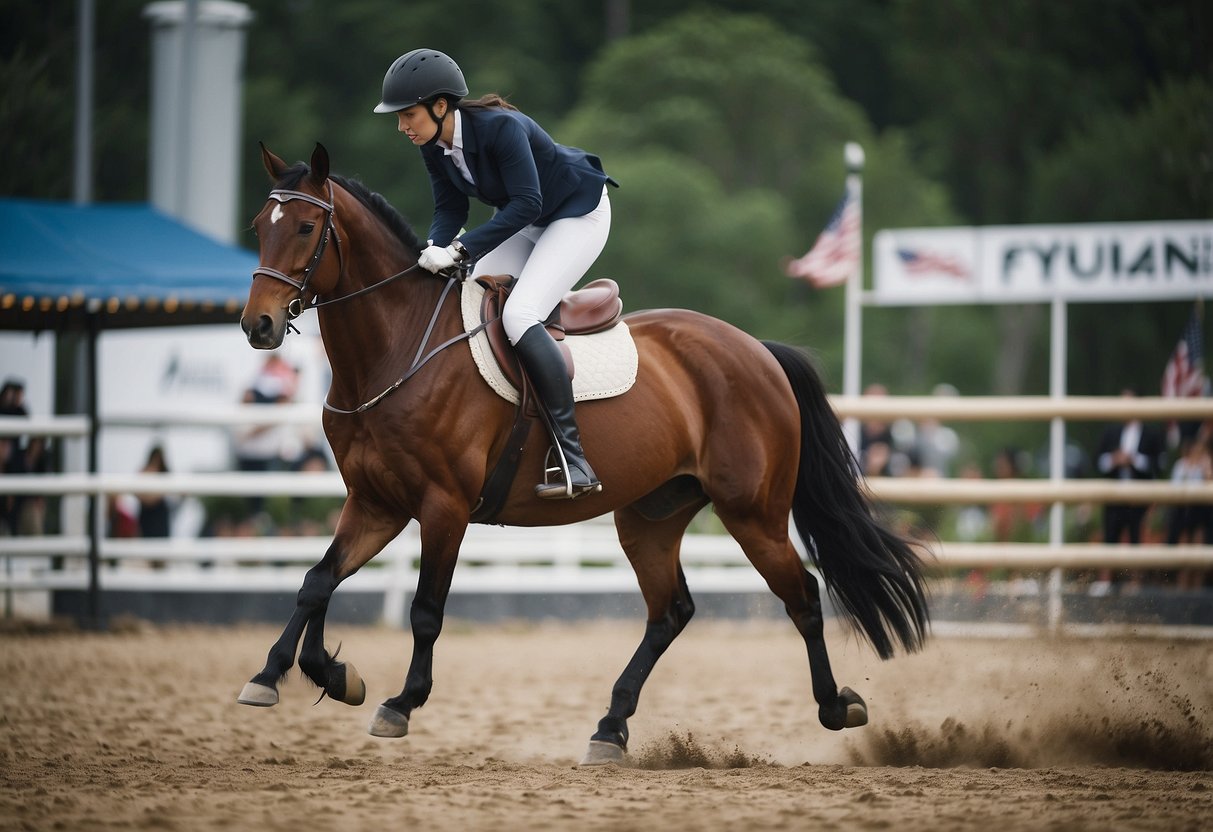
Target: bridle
{"x":297,"y":306}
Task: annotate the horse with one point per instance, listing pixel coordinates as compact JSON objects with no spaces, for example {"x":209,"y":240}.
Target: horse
{"x":715,"y":416}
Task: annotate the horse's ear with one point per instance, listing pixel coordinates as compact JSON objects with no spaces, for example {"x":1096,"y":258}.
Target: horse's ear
{"x":274,"y":166}
{"x":320,"y":165}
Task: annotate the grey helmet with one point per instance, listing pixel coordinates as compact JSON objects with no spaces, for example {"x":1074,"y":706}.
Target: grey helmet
{"x":420,"y":76}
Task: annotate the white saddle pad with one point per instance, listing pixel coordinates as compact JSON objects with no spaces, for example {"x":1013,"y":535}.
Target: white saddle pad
{"x":604,"y":363}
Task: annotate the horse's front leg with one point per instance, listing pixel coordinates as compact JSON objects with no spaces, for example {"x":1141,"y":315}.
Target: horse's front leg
{"x":361,"y":534}
{"x":440,"y":541}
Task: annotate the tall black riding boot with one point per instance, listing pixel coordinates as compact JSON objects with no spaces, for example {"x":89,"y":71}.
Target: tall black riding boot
{"x":545,"y":367}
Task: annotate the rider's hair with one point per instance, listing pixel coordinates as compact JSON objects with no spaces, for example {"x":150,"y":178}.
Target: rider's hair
{"x":484,"y":102}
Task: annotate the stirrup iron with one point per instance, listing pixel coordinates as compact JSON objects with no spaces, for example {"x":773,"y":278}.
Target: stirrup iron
{"x":556,"y":473}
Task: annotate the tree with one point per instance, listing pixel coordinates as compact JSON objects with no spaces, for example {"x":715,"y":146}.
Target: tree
{"x":1155,"y":163}
{"x":38,"y":97}
{"x":729,"y":151}
{"x":989,"y":88}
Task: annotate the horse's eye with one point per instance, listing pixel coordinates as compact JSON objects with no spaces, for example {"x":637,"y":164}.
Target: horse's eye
{"x":306,"y":228}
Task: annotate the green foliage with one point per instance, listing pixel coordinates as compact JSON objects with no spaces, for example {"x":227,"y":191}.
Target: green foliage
{"x":730,"y":161}
{"x":990,"y":88}
{"x":1095,"y":175}
{"x":734,"y":93}
{"x":38,"y":45}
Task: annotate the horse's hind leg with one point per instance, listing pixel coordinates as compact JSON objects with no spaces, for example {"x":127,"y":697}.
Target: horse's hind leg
{"x":652,"y":548}
{"x":777,"y":560}
{"x":359,"y":538}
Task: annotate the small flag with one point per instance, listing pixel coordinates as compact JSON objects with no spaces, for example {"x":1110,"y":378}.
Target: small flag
{"x":1184,"y":374}
{"x":835,"y":256}
{"x":926,"y":262}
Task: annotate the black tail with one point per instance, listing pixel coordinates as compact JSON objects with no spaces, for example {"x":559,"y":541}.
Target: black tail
{"x":873,"y":575}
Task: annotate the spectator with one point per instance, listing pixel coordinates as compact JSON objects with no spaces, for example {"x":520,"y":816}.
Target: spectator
{"x":1189,"y":523}
{"x":1012,"y":522}
{"x":23,"y":514}
{"x":936,"y":444}
{"x":1129,"y":451}
{"x":875,"y":440}
{"x":154,"y":510}
{"x":12,"y":451}
{"x":262,"y":447}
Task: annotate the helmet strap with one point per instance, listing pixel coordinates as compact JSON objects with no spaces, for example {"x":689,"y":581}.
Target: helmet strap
{"x":438,"y":119}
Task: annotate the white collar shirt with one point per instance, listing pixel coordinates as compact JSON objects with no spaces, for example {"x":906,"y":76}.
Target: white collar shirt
{"x":1130,"y":438}
{"x":455,"y":149}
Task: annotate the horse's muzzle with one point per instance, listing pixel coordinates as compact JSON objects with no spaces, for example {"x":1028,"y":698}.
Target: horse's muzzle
{"x":263,"y":332}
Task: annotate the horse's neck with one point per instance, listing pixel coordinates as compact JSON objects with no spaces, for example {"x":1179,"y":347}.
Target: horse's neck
{"x":372,"y":340}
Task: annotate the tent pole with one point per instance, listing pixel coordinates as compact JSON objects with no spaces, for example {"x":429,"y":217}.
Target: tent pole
{"x":93,"y":609}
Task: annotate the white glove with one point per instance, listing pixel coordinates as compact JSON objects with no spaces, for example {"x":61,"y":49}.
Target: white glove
{"x":437,"y":259}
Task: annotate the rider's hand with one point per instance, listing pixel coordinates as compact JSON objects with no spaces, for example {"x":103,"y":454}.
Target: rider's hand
{"x":437,"y":259}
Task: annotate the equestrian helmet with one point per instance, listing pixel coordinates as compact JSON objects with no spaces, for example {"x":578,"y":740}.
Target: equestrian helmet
{"x":420,"y":75}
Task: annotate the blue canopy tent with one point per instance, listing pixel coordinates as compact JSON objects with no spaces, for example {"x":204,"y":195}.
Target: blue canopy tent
{"x":77,"y":270}
{"x":104,"y":266}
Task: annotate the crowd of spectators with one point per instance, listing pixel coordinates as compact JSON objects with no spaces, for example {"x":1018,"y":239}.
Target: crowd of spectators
{"x":1131,"y":451}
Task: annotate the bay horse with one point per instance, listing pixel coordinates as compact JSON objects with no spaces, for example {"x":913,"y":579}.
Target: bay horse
{"x":714,"y":417}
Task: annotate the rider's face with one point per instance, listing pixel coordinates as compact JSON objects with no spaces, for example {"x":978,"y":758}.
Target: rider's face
{"x":416,"y":123}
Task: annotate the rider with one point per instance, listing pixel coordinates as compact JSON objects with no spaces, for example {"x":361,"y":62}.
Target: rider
{"x":551,"y":220}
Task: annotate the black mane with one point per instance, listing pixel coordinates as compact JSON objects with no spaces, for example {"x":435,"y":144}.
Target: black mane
{"x":374,"y":202}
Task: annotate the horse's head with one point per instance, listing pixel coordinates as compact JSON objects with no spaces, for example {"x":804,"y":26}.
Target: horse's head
{"x":300,"y":256}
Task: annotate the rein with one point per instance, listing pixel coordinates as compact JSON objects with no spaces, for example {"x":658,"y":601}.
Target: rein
{"x":419,"y":360}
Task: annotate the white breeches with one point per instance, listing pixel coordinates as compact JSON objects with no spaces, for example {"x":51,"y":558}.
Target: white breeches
{"x":548,"y":262}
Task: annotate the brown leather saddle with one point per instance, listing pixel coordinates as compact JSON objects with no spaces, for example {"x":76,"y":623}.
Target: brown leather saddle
{"x":592,"y":308}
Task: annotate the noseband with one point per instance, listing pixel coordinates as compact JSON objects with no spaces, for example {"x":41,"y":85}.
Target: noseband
{"x":295,"y":308}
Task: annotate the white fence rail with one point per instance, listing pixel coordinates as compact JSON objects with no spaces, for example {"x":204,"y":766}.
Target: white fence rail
{"x":581,"y":558}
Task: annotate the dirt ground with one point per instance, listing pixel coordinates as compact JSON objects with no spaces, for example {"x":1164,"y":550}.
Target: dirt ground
{"x":139,"y":729}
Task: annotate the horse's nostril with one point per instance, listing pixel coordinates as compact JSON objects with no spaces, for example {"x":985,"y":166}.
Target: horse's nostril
{"x":259,"y":330}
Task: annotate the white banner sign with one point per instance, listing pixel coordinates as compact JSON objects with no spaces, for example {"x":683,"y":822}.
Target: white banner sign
{"x":1038,"y":263}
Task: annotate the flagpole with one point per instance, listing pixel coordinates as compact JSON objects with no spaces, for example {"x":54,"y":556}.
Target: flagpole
{"x":853,"y":319}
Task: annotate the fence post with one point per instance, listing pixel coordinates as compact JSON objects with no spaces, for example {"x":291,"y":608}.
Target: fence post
{"x":1057,"y":455}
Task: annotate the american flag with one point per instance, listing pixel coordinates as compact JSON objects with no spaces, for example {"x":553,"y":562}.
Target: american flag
{"x":835,"y":256}
{"x":1185,"y":371}
{"x":925,"y":262}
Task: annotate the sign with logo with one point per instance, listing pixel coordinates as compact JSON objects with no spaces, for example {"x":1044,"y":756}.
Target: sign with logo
{"x":1039,"y":263}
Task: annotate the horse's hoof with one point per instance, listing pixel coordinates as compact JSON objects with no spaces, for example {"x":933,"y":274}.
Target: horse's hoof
{"x":603,"y":753}
{"x":388,"y":723}
{"x":857,"y":709}
{"x":847,"y":711}
{"x":261,"y":696}
{"x":345,"y":685}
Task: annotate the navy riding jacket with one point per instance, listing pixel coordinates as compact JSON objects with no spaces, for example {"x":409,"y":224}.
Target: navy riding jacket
{"x":519,"y":170}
